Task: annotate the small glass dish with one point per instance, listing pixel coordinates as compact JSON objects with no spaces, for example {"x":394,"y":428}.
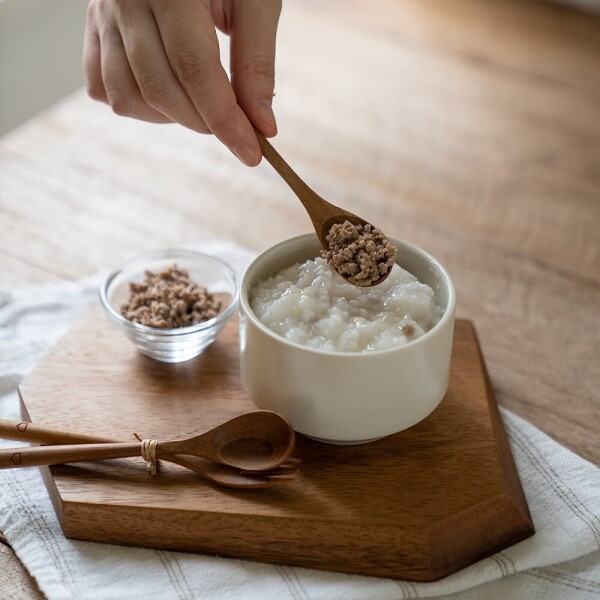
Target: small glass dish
{"x":183,"y":343}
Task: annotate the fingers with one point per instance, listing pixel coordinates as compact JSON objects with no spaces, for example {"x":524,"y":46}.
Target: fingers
{"x":159,"y":61}
{"x":108,"y":74}
{"x":188,"y":34}
{"x":122,"y":91}
{"x":253,"y":36}
{"x":91,"y":59}
{"x":150,"y":66}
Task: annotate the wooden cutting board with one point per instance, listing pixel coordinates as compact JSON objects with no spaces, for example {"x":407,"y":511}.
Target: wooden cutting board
{"x":417,"y":505}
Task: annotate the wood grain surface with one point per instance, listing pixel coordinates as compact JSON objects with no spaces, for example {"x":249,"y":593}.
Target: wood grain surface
{"x":471,"y":128}
{"x":417,"y":505}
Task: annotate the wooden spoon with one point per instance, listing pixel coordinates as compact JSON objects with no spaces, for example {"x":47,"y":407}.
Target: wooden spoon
{"x":323,"y":214}
{"x":216,"y":473}
{"x":254,"y":441}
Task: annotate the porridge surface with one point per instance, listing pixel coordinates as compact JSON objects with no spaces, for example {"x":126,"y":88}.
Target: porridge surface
{"x":312,"y":305}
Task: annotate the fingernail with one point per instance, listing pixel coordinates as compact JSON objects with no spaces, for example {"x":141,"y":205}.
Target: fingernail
{"x":248,"y":154}
{"x":265,"y":112}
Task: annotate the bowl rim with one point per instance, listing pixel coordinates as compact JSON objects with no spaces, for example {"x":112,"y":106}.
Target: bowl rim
{"x":222,"y":317}
{"x":448,"y":315}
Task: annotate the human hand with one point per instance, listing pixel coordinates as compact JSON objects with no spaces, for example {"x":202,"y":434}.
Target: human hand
{"x":158,"y":60}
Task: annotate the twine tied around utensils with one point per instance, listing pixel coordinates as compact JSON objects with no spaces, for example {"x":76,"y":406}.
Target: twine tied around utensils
{"x":148,"y":450}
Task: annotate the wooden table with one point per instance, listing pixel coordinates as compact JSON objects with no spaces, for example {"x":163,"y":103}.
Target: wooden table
{"x":469,"y":128}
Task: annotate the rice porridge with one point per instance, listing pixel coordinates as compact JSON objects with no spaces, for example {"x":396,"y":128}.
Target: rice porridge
{"x":311,"y":305}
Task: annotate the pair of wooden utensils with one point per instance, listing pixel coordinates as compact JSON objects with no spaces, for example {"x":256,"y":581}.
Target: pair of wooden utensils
{"x":252,"y":450}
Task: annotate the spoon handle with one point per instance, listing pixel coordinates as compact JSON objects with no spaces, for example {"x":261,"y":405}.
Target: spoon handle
{"x":34,"y":456}
{"x":287,"y":173}
{"x":21,"y":431}
{"x":318,"y":209}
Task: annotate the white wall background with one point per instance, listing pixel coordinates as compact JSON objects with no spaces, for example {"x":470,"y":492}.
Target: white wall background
{"x":41,"y":43}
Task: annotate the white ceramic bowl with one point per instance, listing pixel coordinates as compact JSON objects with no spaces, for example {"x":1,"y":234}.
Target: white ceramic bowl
{"x":171,"y":345}
{"x":346,"y":397}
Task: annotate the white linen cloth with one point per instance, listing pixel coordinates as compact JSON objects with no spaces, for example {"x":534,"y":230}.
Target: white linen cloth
{"x":562,"y":560}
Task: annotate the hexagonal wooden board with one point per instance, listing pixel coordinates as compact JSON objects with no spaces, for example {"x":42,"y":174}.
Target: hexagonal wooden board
{"x":417,"y":505}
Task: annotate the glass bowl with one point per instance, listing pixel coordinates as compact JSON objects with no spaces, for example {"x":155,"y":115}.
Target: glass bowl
{"x":183,"y":343}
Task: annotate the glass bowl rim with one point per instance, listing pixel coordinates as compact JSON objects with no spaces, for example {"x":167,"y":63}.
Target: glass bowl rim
{"x":222,"y":317}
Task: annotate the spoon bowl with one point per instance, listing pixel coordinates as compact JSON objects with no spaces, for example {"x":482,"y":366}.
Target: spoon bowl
{"x":254,"y":441}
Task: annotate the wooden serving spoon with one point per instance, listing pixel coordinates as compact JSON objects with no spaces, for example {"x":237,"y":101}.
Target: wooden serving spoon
{"x":254,"y":441}
{"x":323,"y":214}
{"x":221,"y":475}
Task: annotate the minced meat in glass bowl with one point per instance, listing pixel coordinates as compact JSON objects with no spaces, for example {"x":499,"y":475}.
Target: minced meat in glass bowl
{"x":170,"y":303}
